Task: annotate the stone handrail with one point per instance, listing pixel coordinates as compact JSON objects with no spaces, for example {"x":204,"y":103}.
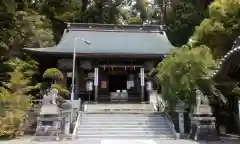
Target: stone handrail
{"x":79,"y":119}
{"x":168,"y":119}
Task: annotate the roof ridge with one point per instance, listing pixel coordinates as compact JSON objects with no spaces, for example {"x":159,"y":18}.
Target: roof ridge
{"x":114,"y":27}
{"x":118,"y":30}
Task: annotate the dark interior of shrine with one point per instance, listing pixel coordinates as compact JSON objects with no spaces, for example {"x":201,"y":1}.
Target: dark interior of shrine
{"x":117,"y":82}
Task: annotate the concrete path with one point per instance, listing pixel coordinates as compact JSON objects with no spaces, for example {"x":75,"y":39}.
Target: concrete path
{"x":78,"y":142}
{"x":27,"y":141}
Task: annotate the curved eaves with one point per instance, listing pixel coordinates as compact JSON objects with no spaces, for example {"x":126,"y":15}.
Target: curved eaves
{"x":226,"y":58}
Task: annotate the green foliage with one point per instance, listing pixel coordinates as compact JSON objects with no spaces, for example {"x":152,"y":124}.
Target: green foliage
{"x":27,"y":29}
{"x":185,"y":16}
{"x":62,"y":10}
{"x":41,"y":86}
{"x":62,"y":91}
{"x":14,"y":96}
{"x":221,"y":28}
{"x":53,"y":74}
{"x":15,"y":102}
{"x":184,"y":71}
{"x":28,"y":67}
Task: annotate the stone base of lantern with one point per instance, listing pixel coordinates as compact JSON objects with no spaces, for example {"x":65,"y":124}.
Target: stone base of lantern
{"x":203,"y":128}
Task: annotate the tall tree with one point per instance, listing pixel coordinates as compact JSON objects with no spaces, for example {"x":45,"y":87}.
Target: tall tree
{"x":104,"y":11}
{"x":28,"y":29}
{"x":221,"y":28}
{"x":183,"y":72}
{"x":185,"y":16}
{"x":15,"y":98}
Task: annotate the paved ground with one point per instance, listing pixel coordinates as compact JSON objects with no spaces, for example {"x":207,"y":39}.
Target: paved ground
{"x":27,"y":141}
{"x":77,"y":142}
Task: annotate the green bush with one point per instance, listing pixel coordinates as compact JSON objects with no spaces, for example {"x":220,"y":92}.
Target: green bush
{"x":15,"y":101}
{"x":62,"y":91}
{"x":53,"y":74}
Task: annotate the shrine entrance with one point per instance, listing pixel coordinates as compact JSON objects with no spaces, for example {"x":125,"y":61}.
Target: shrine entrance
{"x":117,"y":82}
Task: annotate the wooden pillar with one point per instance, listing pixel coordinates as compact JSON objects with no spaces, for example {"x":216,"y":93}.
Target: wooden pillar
{"x":95,"y":84}
{"x":142,"y":83}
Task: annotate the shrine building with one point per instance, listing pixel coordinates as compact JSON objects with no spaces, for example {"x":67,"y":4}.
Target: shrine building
{"x":116,"y":58}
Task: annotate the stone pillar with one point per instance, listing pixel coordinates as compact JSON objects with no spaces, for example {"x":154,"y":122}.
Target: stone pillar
{"x":180,"y":109}
{"x":67,"y":124}
{"x":142,"y":81}
{"x":96,"y":84}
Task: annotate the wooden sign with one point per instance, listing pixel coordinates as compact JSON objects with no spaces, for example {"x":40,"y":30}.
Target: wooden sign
{"x":103,"y":84}
{"x":142,"y":76}
{"x":96,"y":76}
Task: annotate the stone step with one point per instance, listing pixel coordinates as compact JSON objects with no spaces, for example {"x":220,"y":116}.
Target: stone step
{"x":118,"y":112}
{"x":129,"y":98}
{"x":99,"y":140}
{"x":123,"y":129}
{"x":119,"y":106}
{"x":122,"y":109}
{"x":123,"y":133}
{"x":123,"y":119}
{"x":122,"y":126}
{"x":106,"y":115}
{"x":123,"y":115}
{"x":91,"y":136}
{"x":122,"y":123}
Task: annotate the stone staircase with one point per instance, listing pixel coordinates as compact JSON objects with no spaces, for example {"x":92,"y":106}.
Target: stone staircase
{"x":122,"y":121}
{"x":132,"y":98}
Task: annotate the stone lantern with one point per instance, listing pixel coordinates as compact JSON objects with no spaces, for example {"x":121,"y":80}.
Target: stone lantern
{"x":202,"y":120}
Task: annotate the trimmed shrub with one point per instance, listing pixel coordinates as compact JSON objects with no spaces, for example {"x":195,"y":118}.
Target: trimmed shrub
{"x":53,"y":74}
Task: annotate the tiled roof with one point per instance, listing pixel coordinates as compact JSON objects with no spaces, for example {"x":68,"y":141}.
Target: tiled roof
{"x":234,"y":52}
{"x":111,"y":40}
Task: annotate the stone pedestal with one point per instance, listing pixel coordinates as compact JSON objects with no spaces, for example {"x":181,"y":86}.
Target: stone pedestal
{"x":203,"y":125}
{"x":202,"y":120}
{"x":66,"y":116}
{"x":49,"y":120}
{"x":49,"y":125}
{"x":180,"y":109}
